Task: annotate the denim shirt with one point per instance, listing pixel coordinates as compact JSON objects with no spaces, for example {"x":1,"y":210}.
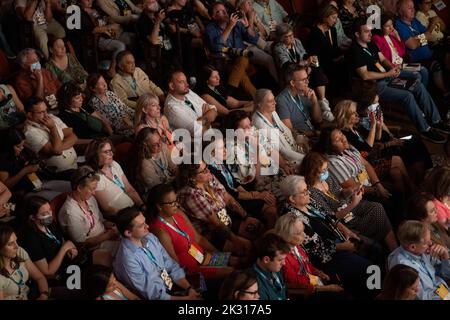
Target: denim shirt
{"x":430,"y":271}
{"x":134,"y":269}
{"x":235,"y":40}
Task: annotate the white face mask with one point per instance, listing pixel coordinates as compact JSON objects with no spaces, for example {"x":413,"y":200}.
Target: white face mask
{"x":373,"y":107}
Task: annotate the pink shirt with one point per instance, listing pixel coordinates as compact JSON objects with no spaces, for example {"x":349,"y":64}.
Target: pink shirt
{"x":385,"y":49}
{"x":442,"y":210}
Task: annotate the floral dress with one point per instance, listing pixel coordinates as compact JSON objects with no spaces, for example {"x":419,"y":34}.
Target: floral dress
{"x":114,"y":110}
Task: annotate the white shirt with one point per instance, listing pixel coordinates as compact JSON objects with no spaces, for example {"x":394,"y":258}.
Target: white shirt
{"x":282,"y":135}
{"x":37,"y":136}
{"x":181,"y":116}
{"x":75,"y":222}
{"x":116,"y":198}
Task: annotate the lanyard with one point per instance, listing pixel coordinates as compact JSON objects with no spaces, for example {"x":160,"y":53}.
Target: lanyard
{"x":330,"y":37}
{"x":226,"y":174}
{"x":19,"y":283}
{"x":315,"y":213}
{"x":177,"y":229}
{"x":151,"y":257}
{"x":89,"y":215}
{"x":212,"y":196}
{"x":107,"y":296}
{"x":190,"y":105}
{"x":274,"y":125}
{"x":300,"y":261}
{"x":52,"y":236}
{"x":116,"y":180}
{"x":302,"y":110}
{"x":295,"y":57}
{"x":422,"y":266}
{"x":358,"y":168}
{"x":133,"y":85}
{"x":160,"y":165}
{"x":368,"y":52}
{"x":276,"y":284}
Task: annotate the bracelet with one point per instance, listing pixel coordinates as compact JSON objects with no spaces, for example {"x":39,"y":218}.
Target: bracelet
{"x":45,"y":293}
{"x":374,"y":184}
{"x":188,"y":288}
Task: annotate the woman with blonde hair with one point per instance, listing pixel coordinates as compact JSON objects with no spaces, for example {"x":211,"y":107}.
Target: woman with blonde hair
{"x":148,"y":114}
{"x":385,"y":163}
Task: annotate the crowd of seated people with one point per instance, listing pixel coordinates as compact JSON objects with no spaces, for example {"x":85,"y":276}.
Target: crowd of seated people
{"x":224,"y":150}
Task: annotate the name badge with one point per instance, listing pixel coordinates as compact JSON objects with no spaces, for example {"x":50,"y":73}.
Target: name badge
{"x":442,"y":292}
{"x":196,"y":253}
{"x":380,"y":67}
{"x":52,"y":101}
{"x":37,"y":183}
{"x":314,"y":280}
{"x":167,"y":279}
{"x":349,"y":217}
{"x":224,"y":217}
{"x":126,"y":12}
{"x":167,"y":44}
{"x":362,"y":177}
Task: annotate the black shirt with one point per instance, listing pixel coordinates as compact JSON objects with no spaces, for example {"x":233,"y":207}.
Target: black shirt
{"x":39,"y":246}
{"x":84,"y":125}
{"x":361,"y":57}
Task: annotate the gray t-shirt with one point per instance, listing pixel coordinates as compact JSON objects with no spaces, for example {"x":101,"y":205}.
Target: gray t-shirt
{"x":297,"y":109}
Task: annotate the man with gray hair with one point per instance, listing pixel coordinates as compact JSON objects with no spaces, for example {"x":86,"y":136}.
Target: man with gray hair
{"x":131,"y":82}
{"x":431,"y":260}
{"x":34,"y":81}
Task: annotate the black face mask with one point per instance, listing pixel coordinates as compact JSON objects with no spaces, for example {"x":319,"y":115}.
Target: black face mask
{"x":5,"y":100}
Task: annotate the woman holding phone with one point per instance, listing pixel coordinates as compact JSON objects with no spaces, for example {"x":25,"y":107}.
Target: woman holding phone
{"x":364,"y":217}
{"x":409,"y":148}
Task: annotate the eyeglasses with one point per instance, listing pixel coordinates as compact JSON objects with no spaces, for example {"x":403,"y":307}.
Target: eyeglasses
{"x":41,"y":112}
{"x":305,"y":193}
{"x":253,"y":293}
{"x":171,"y":203}
{"x":303,"y":80}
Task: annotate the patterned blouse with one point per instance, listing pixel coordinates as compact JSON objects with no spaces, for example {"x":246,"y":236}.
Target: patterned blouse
{"x":115,"y":111}
{"x":319,"y":245}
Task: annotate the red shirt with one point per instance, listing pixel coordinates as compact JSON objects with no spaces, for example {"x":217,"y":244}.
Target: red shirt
{"x":181,"y":244}
{"x":26,"y":85}
{"x":296,"y":273}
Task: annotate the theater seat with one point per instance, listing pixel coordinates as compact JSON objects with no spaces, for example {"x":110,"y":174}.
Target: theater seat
{"x":56,"y":204}
{"x":122,"y":153}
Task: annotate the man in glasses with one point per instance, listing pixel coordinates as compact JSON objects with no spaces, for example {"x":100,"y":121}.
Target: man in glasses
{"x":430,"y":260}
{"x":297,"y":105}
{"x":50,"y":138}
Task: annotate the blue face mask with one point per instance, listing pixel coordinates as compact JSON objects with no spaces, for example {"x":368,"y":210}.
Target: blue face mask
{"x":324,"y":176}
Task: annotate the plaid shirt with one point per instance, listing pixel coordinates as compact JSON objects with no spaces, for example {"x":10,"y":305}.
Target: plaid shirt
{"x":199,"y":204}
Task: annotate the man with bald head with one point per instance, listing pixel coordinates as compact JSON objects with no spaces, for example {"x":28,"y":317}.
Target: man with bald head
{"x":416,"y":37}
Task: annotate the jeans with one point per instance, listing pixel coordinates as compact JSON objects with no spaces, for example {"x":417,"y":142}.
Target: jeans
{"x":422,"y":75}
{"x":419,"y":104}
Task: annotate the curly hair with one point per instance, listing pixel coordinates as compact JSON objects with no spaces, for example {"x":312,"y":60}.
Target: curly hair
{"x":437,"y":182}
{"x":310,"y":166}
{"x":186,"y":175}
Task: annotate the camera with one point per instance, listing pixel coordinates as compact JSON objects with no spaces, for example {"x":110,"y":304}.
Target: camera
{"x":238,"y":13}
{"x":234,"y":52}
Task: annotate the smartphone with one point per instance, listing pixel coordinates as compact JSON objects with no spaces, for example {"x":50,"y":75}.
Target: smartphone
{"x":406,"y":137}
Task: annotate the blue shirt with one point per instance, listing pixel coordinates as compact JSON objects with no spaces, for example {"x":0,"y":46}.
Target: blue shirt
{"x":407,"y":31}
{"x":270,"y":284}
{"x":430,"y":271}
{"x":297,"y":109}
{"x":133,"y":268}
{"x":235,"y":39}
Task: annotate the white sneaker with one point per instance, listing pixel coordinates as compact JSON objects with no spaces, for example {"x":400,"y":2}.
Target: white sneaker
{"x":326,"y":111}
